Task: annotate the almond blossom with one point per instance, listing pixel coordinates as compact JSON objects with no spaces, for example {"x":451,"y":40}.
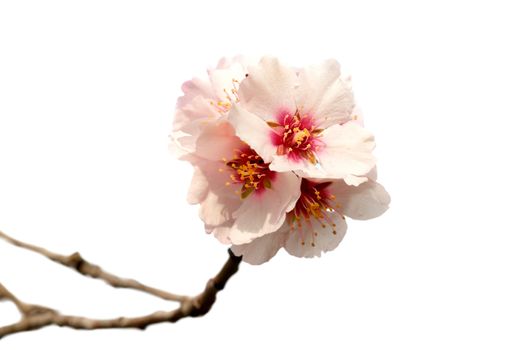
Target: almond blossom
{"x":206,"y":100}
{"x":300,"y":120}
{"x":317,"y":222}
{"x":240,"y":197}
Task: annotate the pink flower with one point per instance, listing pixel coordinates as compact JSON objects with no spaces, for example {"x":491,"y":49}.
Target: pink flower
{"x":240,"y":197}
{"x":317,"y":222}
{"x":206,"y":100}
{"x":280,"y":157}
{"x":301,"y":121}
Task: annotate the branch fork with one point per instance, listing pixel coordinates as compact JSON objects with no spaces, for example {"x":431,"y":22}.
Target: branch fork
{"x":34,"y":317}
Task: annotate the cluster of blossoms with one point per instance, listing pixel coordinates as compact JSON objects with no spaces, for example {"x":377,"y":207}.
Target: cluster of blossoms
{"x":280,"y":156}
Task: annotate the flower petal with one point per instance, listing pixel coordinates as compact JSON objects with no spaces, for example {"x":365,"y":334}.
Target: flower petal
{"x":244,"y":61}
{"x":181,"y":144}
{"x":347,"y":151}
{"x":263,"y":213}
{"x":224,"y":80}
{"x":366,"y":201}
{"x":254,"y":131}
{"x":195,"y":87}
{"x":268,"y":89}
{"x":194,"y":115}
{"x":356,"y":116}
{"x":221,"y":200}
{"x":221,"y":232}
{"x":307,"y":244}
{"x":302,"y":167}
{"x":372,"y":174}
{"x":322,"y":94}
{"x":198,"y":188}
{"x":355,"y":180}
{"x":188,"y":124}
{"x":262,"y":249}
{"x":217,"y":141}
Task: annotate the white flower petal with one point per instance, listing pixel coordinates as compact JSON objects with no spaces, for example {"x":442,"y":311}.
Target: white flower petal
{"x":221,"y":200}
{"x":217,"y":142}
{"x":262,"y":249}
{"x":254,"y":131}
{"x":263,"y":213}
{"x":221,"y":232}
{"x":181,"y":144}
{"x":195,"y":87}
{"x":366,"y":201}
{"x":304,"y":243}
{"x":355,"y":180}
{"x":373,"y":174}
{"x":198,"y":188}
{"x":347,"y":151}
{"x":188,"y":123}
{"x":269,"y":89}
{"x":322,"y":94}
{"x":356,"y":116}
{"x":199,"y":113}
{"x":223,"y":80}
{"x":302,"y":167}
{"x":213,"y":211}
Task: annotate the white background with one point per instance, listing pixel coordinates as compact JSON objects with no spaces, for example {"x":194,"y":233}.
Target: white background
{"x":87,"y":95}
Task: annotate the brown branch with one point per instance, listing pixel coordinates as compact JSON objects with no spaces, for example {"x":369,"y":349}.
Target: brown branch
{"x":35,"y":317}
{"x":76,"y":262}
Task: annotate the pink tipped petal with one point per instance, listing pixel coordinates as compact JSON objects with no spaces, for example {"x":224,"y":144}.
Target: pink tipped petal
{"x":322,"y":94}
{"x":254,"y":131}
{"x":262,"y":249}
{"x":263,"y":213}
{"x":268,"y":89}
{"x":366,"y":201}
{"x":306,"y":244}
{"x":217,"y":141}
{"x":348,"y":151}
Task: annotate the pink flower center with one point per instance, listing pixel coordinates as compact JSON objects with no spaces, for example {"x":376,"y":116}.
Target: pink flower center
{"x":295,"y":136}
{"x":250,"y":171}
{"x":314,"y":203}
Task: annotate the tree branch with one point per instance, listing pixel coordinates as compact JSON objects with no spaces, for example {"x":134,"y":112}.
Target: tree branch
{"x":35,"y":317}
{"x":76,"y":262}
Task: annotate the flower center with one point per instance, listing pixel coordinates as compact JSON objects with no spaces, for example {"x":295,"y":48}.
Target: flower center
{"x":250,"y":171}
{"x":314,"y":203}
{"x":295,"y":136}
